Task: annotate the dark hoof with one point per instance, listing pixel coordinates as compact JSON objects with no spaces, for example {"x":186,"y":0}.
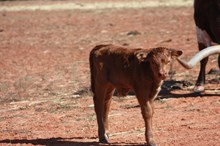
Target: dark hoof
{"x":151,"y":143}
{"x":104,"y":139}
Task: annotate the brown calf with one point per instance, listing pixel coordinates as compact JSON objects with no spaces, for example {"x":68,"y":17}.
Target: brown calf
{"x":127,"y":69}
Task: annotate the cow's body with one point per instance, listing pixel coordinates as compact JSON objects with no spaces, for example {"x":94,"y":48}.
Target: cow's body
{"x":207,"y":20}
{"x":127,"y":69}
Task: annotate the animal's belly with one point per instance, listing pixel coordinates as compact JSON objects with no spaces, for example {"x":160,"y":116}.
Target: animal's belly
{"x":123,"y":91}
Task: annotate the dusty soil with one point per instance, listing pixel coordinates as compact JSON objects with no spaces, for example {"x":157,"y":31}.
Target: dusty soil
{"x":44,"y":77}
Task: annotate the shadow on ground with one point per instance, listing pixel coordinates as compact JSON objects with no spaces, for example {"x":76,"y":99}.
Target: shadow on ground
{"x":50,"y":142}
{"x":167,"y":90}
{"x":171,"y":85}
{"x":61,"y":142}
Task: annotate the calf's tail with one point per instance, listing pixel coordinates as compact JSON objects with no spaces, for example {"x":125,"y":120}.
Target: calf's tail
{"x":219,"y":61}
{"x":92,"y":65}
{"x":92,"y":70}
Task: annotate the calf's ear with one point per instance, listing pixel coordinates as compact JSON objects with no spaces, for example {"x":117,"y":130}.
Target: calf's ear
{"x":175,"y":53}
{"x":141,"y":56}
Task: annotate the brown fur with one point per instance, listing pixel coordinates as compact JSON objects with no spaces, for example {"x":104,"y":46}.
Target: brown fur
{"x":140,"y":70}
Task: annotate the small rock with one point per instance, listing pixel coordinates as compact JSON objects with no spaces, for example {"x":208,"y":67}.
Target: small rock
{"x":91,"y":106}
{"x":125,"y":44}
{"x":133,"y":33}
{"x":76,"y":96}
{"x":214,"y":71}
{"x":166,"y":41}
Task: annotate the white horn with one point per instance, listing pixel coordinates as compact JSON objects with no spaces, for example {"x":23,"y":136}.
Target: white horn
{"x":199,"y":56}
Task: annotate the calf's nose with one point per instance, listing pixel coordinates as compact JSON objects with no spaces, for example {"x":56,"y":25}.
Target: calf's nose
{"x":163,"y":75}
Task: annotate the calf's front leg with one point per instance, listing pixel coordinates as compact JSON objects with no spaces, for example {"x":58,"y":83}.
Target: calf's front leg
{"x":147,"y":113}
{"x":146,"y":101}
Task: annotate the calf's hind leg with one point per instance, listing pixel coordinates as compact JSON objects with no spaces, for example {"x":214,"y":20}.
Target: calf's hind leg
{"x":107,"y":104}
{"x":102,"y":101}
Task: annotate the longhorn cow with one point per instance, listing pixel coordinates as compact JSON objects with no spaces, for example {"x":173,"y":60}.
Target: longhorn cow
{"x":207,"y":20}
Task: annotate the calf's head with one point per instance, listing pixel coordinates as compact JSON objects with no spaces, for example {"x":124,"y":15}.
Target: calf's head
{"x":158,"y":60}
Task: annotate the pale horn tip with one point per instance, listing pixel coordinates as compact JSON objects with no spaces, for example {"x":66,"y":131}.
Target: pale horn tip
{"x":184,"y":64}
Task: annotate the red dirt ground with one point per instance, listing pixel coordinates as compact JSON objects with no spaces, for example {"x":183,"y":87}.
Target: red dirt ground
{"x":44,"y":78}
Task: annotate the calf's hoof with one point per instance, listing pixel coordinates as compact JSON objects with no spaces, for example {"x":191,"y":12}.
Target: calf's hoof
{"x":151,"y":143}
{"x":104,"y":139}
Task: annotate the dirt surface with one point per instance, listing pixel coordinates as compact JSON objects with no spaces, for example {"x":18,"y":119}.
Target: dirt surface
{"x":45,"y":94}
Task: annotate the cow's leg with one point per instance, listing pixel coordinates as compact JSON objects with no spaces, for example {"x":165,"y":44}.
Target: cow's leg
{"x":146,"y":100}
{"x":107,"y":103}
{"x":147,"y":113}
{"x":98,"y":99}
{"x":152,"y":108}
{"x":201,"y":78}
